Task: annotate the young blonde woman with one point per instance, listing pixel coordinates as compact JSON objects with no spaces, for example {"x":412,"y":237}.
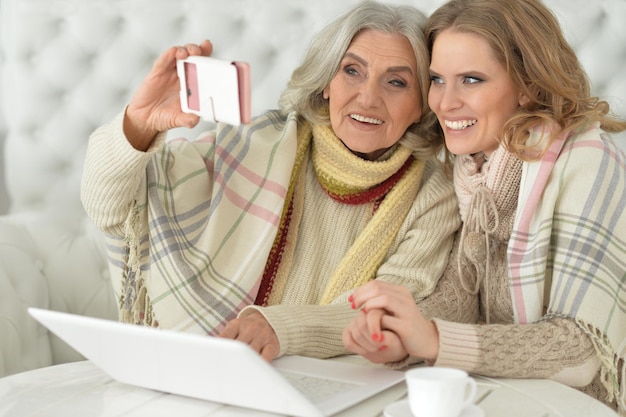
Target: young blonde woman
{"x":535,"y":287}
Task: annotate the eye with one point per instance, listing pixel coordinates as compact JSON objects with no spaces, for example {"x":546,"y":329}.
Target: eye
{"x":471,"y":80}
{"x":398,"y":83}
{"x":350,"y":70}
{"x":435,"y":79}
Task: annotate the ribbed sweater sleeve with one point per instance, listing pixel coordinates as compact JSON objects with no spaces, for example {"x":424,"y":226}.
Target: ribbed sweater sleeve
{"x":555,"y":349}
{"x":309,"y":330}
{"x":112,"y":176}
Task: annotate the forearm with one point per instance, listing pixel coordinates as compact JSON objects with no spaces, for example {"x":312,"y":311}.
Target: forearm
{"x":112,"y":176}
{"x":309,"y":330}
{"x":555,"y":349}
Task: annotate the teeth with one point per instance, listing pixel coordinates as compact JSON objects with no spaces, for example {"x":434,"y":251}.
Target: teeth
{"x":364,"y":119}
{"x":460,"y":124}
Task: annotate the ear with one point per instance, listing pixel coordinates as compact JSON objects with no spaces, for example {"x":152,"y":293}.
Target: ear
{"x":523,"y":99}
{"x":325,"y":93}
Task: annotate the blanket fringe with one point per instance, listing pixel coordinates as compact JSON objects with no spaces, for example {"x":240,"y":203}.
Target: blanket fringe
{"x":134,"y":304}
{"x":612,"y":368}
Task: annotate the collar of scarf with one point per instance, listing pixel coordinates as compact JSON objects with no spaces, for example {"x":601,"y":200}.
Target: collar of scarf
{"x":350,"y":179}
{"x":392,"y":184}
{"x":487,"y":193}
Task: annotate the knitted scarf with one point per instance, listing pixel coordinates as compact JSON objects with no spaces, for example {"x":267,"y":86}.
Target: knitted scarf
{"x":487,"y":194}
{"x":390,"y":184}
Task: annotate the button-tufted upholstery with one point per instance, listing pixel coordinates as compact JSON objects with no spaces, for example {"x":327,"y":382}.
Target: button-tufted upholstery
{"x":67,"y":66}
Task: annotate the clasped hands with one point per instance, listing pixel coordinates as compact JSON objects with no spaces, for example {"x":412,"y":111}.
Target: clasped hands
{"x":390,"y":326}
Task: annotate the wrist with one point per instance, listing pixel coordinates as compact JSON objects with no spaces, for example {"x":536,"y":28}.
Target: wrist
{"x":138,"y":134}
{"x":432,"y":348}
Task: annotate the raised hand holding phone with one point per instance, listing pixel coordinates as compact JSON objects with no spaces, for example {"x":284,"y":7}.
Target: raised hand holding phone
{"x":214,"y":89}
{"x":155,"y":106}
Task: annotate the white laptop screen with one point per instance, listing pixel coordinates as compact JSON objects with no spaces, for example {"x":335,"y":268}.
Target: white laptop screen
{"x":216,"y":369}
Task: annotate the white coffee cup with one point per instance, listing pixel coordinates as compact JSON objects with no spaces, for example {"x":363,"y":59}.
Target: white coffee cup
{"x":439,"y":391}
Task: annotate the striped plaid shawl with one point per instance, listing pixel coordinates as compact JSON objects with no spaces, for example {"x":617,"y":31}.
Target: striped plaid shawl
{"x":568,"y":247}
{"x":204,"y":202}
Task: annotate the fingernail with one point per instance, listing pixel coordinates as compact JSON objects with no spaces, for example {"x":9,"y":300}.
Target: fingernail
{"x":375,"y":337}
{"x":383,"y":347}
{"x":351,"y":298}
{"x":364,"y":310}
{"x":382,"y":337}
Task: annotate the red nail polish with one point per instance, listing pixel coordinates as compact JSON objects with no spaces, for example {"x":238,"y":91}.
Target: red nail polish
{"x":353,"y":306}
{"x":375,"y":337}
{"x":351,"y":298}
{"x":383,"y":347}
{"x":364,"y":310}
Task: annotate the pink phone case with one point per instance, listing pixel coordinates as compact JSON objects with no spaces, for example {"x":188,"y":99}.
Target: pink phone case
{"x":191,"y":82}
{"x":243,"y":77}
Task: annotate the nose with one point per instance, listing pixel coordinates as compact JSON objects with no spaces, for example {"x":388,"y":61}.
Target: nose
{"x":445,"y":97}
{"x":369,"y":93}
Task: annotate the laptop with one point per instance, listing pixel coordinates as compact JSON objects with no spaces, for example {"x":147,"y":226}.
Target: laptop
{"x":220,"y":370}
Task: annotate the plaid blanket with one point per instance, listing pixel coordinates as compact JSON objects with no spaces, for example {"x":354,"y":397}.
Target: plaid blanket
{"x":567,"y":254}
{"x":221,"y":195}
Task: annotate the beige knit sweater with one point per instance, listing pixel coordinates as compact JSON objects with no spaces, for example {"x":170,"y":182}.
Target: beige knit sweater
{"x":554,"y":349}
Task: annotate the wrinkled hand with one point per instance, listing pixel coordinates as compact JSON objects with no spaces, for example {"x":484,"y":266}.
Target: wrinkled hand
{"x":391,"y":309}
{"x":255,"y":331}
{"x":155,"y":106}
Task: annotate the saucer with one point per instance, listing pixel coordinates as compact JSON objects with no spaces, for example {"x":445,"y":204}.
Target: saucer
{"x":401,"y":409}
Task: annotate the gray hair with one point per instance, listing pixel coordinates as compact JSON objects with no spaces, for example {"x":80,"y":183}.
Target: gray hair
{"x":304,"y":92}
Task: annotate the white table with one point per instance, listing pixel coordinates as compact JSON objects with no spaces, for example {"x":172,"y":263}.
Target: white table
{"x":81,"y":389}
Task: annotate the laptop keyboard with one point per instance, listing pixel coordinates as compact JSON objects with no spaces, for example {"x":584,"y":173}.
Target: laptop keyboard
{"x":317,"y":389}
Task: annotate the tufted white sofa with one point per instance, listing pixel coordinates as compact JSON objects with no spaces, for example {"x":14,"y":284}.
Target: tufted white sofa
{"x":67,"y":66}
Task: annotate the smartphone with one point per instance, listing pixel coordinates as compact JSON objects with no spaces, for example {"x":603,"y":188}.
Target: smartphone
{"x":214,"y":89}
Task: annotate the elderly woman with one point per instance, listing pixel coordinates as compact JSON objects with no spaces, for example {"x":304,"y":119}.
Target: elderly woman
{"x":260,"y":232}
{"x":541,"y":258}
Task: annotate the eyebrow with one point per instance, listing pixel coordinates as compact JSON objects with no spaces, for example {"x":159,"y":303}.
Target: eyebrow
{"x":469,"y":73}
{"x":399,"y":68}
